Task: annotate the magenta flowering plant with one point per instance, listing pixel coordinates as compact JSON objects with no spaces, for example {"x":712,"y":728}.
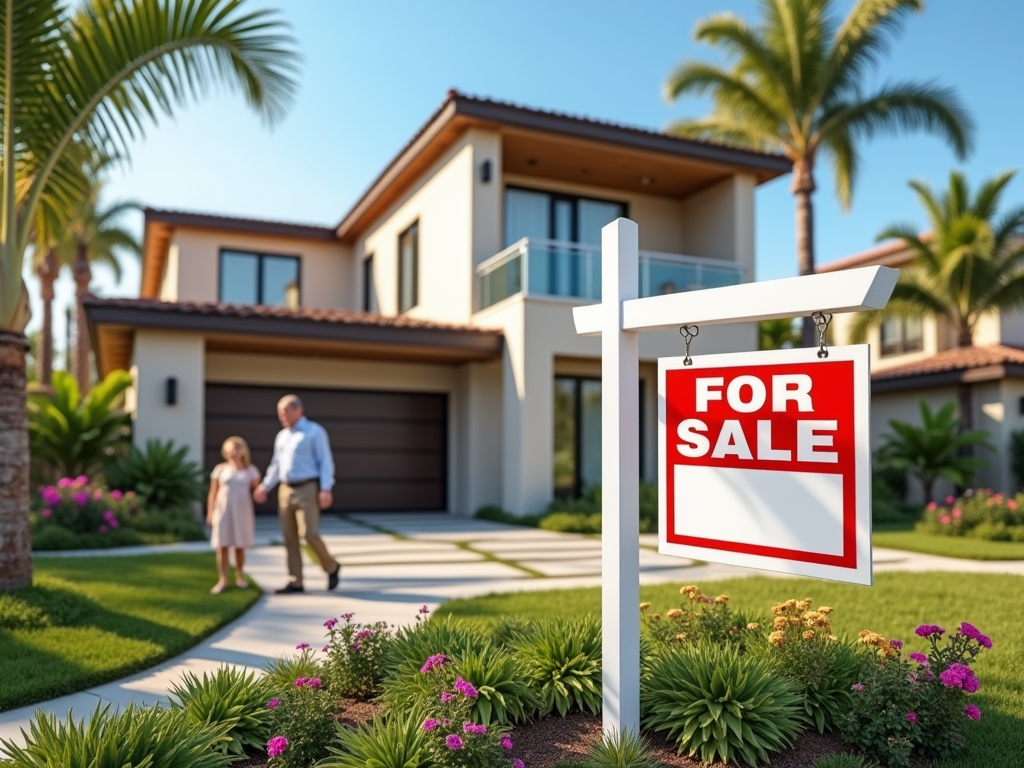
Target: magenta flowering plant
{"x":978,"y":513}
{"x":302,"y":724}
{"x":354,"y":666}
{"x":82,"y":506}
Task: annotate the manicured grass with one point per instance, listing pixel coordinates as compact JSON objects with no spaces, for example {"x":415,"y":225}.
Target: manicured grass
{"x":100,"y":618}
{"x":894,"y":606}
{"x":949,"y":546}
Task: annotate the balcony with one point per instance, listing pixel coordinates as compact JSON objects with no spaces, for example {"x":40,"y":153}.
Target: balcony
{"x":551,"y":268}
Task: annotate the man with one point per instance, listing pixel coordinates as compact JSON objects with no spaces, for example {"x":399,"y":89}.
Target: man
{"x":303,"y":466}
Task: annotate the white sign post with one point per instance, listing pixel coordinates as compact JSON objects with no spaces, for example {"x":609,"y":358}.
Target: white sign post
{"x":619,"y":318}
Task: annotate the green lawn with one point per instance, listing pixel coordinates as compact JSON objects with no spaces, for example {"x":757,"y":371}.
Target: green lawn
{"x":93,"y":619}
{"x":894,"y":606}
{"x":903,"y":536}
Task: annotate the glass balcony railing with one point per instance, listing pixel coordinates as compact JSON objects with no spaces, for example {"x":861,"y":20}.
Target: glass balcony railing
{"x":572,"y":270}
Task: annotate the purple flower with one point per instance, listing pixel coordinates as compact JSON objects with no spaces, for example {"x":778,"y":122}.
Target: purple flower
{"x":424,"y":609}
{"x":911,"y":717}
{"x":429,"y":724}
{"x":858,"y":687}
{"x":301,"y":682}
{"x":971,"y":684}
{"x":81,"y":498}
{"x":115,"y":495}
{"x":330,"y":623}
{"x":517,"y":763}
{"x":506,"y":741}
{"x":273,"y":703}
{"x":65,"y":482}
{"x":468,"y":727}
{"x":920,"y":658}
{"x":277,"y":746}
{"x":97,"y":495}
{"x":969,"y":630}
{"x":45,"y":512}
{"x":972,"y":712}
{"x":363,"y":634}
{"x":984,"y":641}
{"x":960,"y":676}
{"x":433,"y":661}
{"x":113,"y":523}
{"x":80,"y":481}
{"x":356,"y":647}
{"x":927,"y":630}
{"x":314,"y":683}
{"x":897,"y":644}
{"x":102,"y":529}
{"x":301,"y":646}
{"x":347,"y":616}
{"x":446,"y":696}
{"x":465,"y":688}
{"x":325,"y":649}
{"x":51,"y":496}
{"x":453,"y":741}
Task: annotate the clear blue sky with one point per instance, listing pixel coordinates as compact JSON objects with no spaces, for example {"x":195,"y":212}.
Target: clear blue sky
{"x":374,"y":71}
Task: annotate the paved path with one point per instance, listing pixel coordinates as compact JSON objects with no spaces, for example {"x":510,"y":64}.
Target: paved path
{"x":388,"y":575}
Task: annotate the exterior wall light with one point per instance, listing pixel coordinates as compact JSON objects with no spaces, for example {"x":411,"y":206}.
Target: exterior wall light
{"x":171,"y":391}
{"x":485,"y":171}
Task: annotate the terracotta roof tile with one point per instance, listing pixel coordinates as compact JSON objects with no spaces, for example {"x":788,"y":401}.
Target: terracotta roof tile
{"x":299,"y":314}
{"x":957,"y":359}
{"x":890,"y":253}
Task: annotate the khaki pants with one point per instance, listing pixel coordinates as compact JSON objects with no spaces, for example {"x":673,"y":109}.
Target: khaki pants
{"x":299,"y":513}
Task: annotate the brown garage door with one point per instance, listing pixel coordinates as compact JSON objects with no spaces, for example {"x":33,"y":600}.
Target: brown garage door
{"x":390,"y":448}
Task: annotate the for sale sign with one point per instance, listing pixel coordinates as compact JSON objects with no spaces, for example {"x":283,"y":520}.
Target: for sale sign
{"x":764,"y":461}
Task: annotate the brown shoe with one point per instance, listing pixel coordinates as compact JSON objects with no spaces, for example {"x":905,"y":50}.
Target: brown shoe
{"x":334,"y":578}
{"x":289,"y":589}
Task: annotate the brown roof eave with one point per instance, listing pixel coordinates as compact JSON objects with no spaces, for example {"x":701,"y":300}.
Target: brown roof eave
{"x":947,"y":378}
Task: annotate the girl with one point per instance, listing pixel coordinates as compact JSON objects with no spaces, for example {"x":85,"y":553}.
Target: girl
{"x":229,"y":509}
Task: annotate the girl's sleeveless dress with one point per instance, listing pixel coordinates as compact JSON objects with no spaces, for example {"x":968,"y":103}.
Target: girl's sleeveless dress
{"x":233,"y":515}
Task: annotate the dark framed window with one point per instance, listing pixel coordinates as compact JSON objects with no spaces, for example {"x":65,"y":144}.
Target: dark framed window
{"x":369,"y":286}
{"x":577,"y":434}
{"x":557,"y":216}
{"x":901,"y":335}
{"x":409,"y":268}
{"x":259,"y":278}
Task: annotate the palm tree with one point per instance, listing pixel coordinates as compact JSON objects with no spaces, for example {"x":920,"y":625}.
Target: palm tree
{"x":777,"y":334}
{"x":90,"y":75}
{"x":795,"y":87}
{"x":93,"y":236}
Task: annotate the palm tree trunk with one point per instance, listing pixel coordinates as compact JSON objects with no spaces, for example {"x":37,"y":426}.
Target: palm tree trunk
{"x":803,"y":187}
{"x":47,"y":277}
{"x":83,"y":276}
{"x":15,"y":536}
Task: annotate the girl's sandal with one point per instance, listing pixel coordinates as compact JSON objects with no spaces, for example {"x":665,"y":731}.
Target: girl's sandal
{"x":241,"y":583}
{"x":218,"y":589}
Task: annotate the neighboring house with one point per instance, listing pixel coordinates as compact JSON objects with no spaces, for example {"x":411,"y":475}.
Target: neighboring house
{"x":919,"y":358}
{"x":431,"y":330}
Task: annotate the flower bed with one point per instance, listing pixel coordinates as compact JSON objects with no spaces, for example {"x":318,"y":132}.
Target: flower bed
{"x":77,"y":513}
{"x":979,"y":514}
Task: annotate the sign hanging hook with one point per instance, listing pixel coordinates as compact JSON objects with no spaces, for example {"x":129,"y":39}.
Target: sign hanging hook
{"x":821,"y":321}
{"x":689,"y":333}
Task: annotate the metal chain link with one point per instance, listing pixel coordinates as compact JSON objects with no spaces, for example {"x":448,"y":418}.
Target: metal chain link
{"x":821,"y":321}
{"x":689,"y":333}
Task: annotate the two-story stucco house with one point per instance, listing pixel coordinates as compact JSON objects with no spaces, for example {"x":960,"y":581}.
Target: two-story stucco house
{"x":914,"y":359}
{"x":430,"y":331}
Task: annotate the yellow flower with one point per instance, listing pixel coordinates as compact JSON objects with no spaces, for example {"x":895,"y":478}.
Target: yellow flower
{"x":656,"y":617}
{"x":722,"y":599}
{"x":681,"y":636}
{"x":674,"y":613}
{"x":777,"y":638}
{"x":809,"y":634}
{"x":691,"y":591}
{"x":825,"y":609}
{"x":753,"y":625}
{"x":833,"y":639}
{"x":781,"y":622}
{"x":803,"y":605}
{"x":777,"y":609}
{"x":644,"y":606}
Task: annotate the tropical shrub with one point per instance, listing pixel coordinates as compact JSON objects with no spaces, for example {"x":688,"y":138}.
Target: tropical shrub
{"x":700,"y":618}
{"x":301,"y":724}
{"x":978,"y":514}
{"x":418,"y":641}
{"x":713,"y":702}
{"x":803,"y":650}
{"x":888,"y":495}
{"x":395,"y":741}
{"x":134,"y":736}
{"x":281,"y":673}
{"x":161,"y":475}
{"x":355,"y":656}
{"x":572,"y":522}
{"x":915,"y":706}
{"x":621,"y":750}
{"x":562,"y":659}
{"x":77,"y":513}
{"x":230,"y":697}
{"x":583,"y":515}
{"x":70,"y":435}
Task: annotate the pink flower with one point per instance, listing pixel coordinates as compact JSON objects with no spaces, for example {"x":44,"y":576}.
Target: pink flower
{"x":957,"y":513}
{"x":330,"y":623}
{"x":424,"y":609}
{"x":433,"y":661}
{"x":81,"y":498}
{"x":45,"y":512}
{"x":911,"y":717}
{"x":920,"y":658}
{"x":277,"y":746}
{"x":446,"y":696}
{"x":506,"y":741}
{"x":479,"y":730}
{"x":960,"y":676}
{"x":325,"y":649}
{"x":273,"y":703}
{"x":347,"y":616}
{"x":945,"y":519}
{"x":115,"y":495}
{"x":429,"y":724}
{"x":65,"y":482}
{"x":950,"y":499}
{"x":301,"y":682}
{"x":1010,"y":504}
{"x":858,"y":687}
{"x":102,"y":529}
{"x":364,"y":634}
{"x":969,"y":630}
{"x":972,"y":712}
{"x":465,"y":688}
{"x":113,"y":523}
{"x":80,"y":481}
{"x":932,"y":506}
{"x":314,"y":683}
{"x":985,"y":641}
{"x":97,"y":495}
{"x":927,"y":630}
{"x":453,"y":741}
{"x":357,"y":647}
{"x":517,"y":763}
{"x":301,"y":646}
{"x":51,"y":496}
{"x":897,"y":644}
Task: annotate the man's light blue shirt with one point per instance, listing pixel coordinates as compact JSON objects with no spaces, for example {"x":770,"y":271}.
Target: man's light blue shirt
{"x":301,"y":452}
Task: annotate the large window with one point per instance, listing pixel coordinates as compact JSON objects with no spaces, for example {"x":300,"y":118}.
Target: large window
{"x":369,"y":286}
{"x":409,"y":268}
{"x":554,"y":216}
{"x":577,"y":438}
{"x":901,"y":335}
{"x":259,"y":278}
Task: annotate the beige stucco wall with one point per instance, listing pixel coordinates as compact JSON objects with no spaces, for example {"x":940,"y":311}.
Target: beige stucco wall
{"x":192,"y":269}
{"x":159,"y":355}
{"x":718,"y":222}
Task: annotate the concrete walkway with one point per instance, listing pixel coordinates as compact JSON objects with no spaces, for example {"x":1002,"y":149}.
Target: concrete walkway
{"x":392,"y":565}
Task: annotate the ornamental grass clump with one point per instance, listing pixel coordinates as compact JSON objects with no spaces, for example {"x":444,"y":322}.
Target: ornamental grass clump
{"x":700,"y":618}
{"x":803,"y":649}
{"x":281,"y":673}
{"x":396,"y":740}
{"x":562,"y":659}
{"x":716,"y":703}
{"x":230,"y":697}
{"x":623,"y":749}
{"x":354,"y":666}
{"x":978,"y":514}
{"x":301,"y":724}
{"x":916,"y":706}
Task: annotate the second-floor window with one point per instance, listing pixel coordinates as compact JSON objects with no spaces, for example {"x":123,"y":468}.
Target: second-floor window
{"x":409,"y":268}
{"x":901,"y":335}
{"x":554,"y":216}
{"x":259,"y":278}
{"x":369,"y":286}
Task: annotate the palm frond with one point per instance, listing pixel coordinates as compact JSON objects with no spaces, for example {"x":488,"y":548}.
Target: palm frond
{"x":842,"y":150}
{"x":986,"y":201}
